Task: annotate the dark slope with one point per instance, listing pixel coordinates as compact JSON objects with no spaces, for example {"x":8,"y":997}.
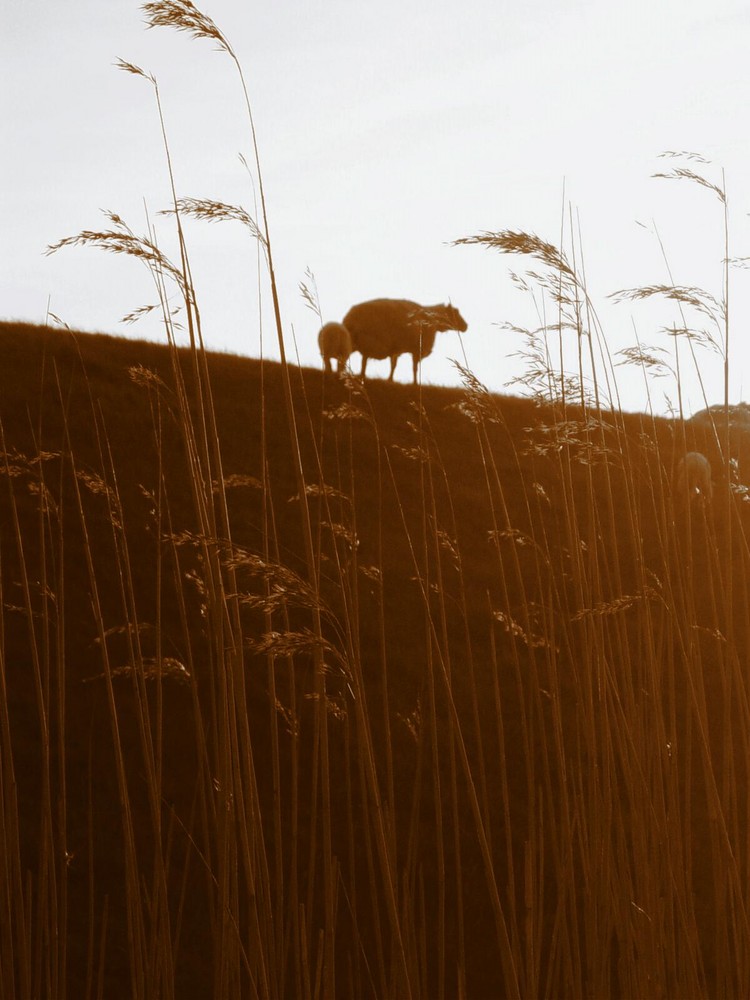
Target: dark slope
{"x":424,"y":503}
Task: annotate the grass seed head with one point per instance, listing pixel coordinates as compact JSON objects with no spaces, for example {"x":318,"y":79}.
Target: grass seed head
{"x":527,"y":244}
{"x":128,"y":67}
{"x":209,"y":210}
{"x":182,"y":15}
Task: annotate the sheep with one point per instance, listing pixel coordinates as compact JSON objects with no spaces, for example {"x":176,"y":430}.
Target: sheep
{"x":693,"y":477}
{"x":388,"y":328}
{"x":334,"y":341}
{"x":714,"y":416}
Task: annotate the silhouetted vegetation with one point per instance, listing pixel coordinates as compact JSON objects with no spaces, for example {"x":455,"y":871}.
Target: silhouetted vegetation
{"x":533,"y":686}
{"x":315,"y":687}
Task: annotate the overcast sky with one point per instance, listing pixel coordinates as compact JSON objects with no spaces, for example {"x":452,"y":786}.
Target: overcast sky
{"x":386,"y":131}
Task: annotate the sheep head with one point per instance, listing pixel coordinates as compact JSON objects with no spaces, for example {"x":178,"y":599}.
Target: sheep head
{"x":441,"y":318}
{"x":454,"y":318}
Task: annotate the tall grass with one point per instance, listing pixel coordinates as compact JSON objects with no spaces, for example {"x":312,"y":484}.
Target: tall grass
{"x":398,"y":696}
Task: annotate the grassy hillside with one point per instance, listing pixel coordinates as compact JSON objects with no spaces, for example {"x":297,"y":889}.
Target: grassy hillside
{"x":487,"y":736}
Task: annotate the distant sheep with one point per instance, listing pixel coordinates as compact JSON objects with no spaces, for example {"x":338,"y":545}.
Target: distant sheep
{"x":693,"y":477}
{"x":714,"y":416}
{"x":388,"y":328}
{"x":334,"y":342}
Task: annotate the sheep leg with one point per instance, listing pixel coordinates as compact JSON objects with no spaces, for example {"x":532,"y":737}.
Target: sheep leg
{"x":415,"y":363}
{"x":364,"y":366}
{"x":394,"y":359}
{"x":327,"y":365}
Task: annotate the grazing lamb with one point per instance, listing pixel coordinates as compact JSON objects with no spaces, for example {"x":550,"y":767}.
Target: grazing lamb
{"x":334,"y":342}
{"x":693,"y":477}
{"x":388,"y":328}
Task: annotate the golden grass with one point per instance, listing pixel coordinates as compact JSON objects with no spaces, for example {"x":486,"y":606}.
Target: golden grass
{"x":341,"y":690}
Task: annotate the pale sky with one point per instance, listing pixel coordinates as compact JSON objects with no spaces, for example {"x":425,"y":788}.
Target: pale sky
{"x":386,"y":131}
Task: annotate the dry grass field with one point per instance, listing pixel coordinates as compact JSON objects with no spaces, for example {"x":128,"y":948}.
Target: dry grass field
{"x":492,"y":742}
{"x":316,"y":687}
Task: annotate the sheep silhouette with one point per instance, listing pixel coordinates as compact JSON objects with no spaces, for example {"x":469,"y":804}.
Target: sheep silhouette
{"x":388,"y":328}
{"x":693,"y":478}
{"x":334,"y":342}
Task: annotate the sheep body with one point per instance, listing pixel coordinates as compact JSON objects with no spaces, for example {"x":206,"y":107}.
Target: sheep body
{"x":714,"y":416}
{"x":334,"y":342}
{"x":693,"y":477}
{"x":388,"y":328}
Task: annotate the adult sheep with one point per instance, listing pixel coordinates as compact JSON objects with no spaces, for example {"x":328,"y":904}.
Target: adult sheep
{"x":334,"y":342}
{"x":388,"y":328}
{"x":693,"y":478}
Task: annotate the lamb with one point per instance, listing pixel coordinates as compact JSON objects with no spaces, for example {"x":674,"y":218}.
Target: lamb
{"x":693,"y":477}
{"x":388,"y":328}
{"x":334,"y":342}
